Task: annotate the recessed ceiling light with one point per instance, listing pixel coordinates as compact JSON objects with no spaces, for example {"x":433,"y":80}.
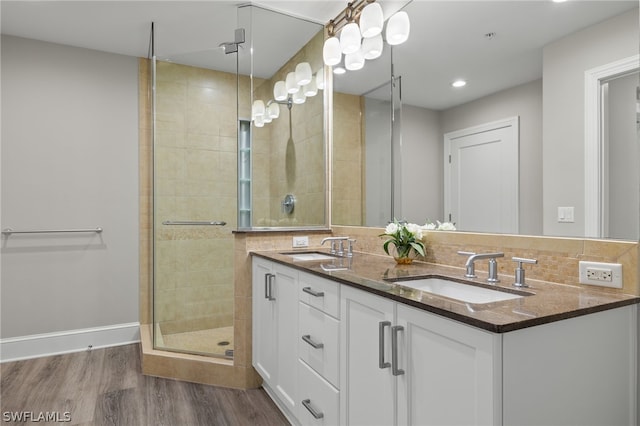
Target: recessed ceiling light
{"x":459,"y":83}
{"x":559,"y":1}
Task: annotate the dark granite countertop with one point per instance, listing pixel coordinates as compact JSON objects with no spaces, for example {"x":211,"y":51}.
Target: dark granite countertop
{"x":543,"y":303}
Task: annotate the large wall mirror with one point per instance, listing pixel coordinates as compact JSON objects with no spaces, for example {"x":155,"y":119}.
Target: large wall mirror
{"x":523,"y":61}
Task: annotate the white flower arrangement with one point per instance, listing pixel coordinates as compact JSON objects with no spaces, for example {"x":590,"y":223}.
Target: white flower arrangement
{"x":439,"y":226}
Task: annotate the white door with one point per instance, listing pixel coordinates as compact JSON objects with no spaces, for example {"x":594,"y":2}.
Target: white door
{"x":481,"y":177}
{"x":367,"y":391}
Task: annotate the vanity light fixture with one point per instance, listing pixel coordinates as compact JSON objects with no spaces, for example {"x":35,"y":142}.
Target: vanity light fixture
{"x":363,"y":41}
{"x":459,"y":83}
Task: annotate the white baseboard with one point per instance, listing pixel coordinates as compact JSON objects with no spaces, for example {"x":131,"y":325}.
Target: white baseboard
{"x":62,"y":342}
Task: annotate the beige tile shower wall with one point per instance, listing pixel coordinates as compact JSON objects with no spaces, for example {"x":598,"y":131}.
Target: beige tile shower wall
{"x":348,"y":158}
{"x":557,"y":257}
{"x":145,"y":177}
{"x":196,"y":179}
{"x":289,"y":158}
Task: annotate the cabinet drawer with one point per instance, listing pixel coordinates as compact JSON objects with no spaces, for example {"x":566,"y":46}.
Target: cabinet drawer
{"x":320,"y":293}
{"x":318,"y":341}
{"x":319,"y":400}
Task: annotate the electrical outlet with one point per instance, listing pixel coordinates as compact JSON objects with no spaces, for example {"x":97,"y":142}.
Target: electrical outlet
{"x":601,"y":274}
{"x":299,"y":242}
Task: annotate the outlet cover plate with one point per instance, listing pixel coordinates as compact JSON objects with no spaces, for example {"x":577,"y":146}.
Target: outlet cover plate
{"x":299,"y":242}
{"x":601,"y":269}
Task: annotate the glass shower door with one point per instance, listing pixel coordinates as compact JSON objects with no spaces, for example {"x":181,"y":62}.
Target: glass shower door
{"x":194,"y":209}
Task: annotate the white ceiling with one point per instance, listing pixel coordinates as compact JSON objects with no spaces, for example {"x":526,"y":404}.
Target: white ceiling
{"x":447,"y":37}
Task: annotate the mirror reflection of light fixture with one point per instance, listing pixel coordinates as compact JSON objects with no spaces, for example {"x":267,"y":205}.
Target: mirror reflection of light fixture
{"x":274,"y":110}
{"x":303,"y":73}
{"x":320,"y":79}
{"x":398,"y":28}
{"x":258,"y":108}
{"x":310,"y":89}
{"x":280,"y":91}
{"x":364,"y":37}
{"x":354,"y":61}
{"x":299,"y":97}
{"x":372,"y":47}
{"x":291,"y":84}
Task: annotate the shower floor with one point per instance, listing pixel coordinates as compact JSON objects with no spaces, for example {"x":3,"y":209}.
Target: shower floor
{"x":212,"y":341}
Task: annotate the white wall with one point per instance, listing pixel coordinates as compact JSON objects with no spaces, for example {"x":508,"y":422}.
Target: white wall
{"x":524,"y":101}
{"x":69,"y":160}
{"x":564,"y":64}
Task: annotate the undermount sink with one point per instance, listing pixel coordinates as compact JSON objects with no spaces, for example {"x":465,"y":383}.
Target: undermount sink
{"x":458,"y":291}
{"x":309,"y":255}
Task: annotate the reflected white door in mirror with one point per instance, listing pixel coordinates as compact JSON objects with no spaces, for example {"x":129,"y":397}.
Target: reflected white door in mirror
{"x":603,"y":148}
{"x":481,"y":165}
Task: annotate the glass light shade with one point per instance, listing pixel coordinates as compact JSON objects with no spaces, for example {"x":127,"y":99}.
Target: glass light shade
{"x":274,"y":110}
{"x":267,"y":118}
{"x":350,"y":38}
{"x":303,"y":73}
{"x":310,"y":89}
{"x":259,"y":121}
{"x":299,"y":97}
{"x":372,"y":47}
{"x":398,"y":28}
{"x":371,"y":20}
{"x":291,"y":85}
{"x":280,"y":91}
{"x":257,"y":109}
{"x":339,"y":69}
{"x":354,"y":61}
{"x":320,"y":79}
{"x":331,"y":52}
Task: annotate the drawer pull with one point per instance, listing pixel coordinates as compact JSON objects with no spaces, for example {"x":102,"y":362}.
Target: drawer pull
{"x":394,"y":350}
{"x":268,"y":286}
{"x":314,"y":413}
{"x":313,"y":292}
{"x":307,"y":338}
{"x":381,"y":362}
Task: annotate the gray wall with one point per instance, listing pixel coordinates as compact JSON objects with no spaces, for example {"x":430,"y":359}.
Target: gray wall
{"x":564,"y":64}
{"x":524,"y":101}
{"x":422,"y":168}
{"x":69,"y":160}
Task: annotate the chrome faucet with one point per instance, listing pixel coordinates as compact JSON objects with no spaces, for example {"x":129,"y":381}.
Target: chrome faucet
{"x":337,"y":244}
{"x":493,"y":264}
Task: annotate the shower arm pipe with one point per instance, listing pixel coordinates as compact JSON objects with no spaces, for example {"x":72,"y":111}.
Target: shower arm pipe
{"x":288,"y":102}
{"x":192,"y":222}
{"x":9,"y":231}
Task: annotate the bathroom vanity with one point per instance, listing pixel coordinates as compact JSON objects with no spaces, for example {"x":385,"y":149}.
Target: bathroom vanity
{"x":349,"y":341}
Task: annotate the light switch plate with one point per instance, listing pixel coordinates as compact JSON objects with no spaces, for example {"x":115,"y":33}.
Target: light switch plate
{"x":566,"y":214}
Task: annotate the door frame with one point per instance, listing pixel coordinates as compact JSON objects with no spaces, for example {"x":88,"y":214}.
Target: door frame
{"x":513,"y":122}
{"x":594,"y":202}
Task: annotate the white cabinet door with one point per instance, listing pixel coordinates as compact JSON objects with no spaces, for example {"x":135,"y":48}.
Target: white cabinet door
{"x":275,"y":329}
{"x":367,"y":392}
{"x":451,"y":371}
{"x":285,"y":291}
{"x":264,"y":321}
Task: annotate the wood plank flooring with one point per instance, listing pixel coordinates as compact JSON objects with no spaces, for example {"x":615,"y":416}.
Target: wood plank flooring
{"x":106,"y":387}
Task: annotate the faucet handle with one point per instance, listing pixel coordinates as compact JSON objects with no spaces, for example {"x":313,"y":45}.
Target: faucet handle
{"x":466,"y":253}
{"x":519,"y":279}
{"x":350,"y":249}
